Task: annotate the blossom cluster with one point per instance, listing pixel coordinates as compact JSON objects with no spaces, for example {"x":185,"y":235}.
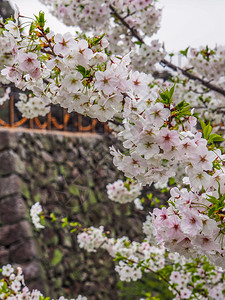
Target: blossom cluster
{"x":6,"y":57}
{"x":193,"y":278}
{"x":102,"y":17}
{"x":13,"y":287}
{"x":6,"y":95}
{"x":156,"y":146}
{"x":123,"y":192}
{"x":75,"y":73}
{"x":208,"y":63}
{"x":86,"y":15}
{"x":195,"y":274}
{"x":186,"y":227}
{"x":35,"y":212}
{"x":134,"y":252}
{"x":32,"y":107}
{"x":92,"y":239}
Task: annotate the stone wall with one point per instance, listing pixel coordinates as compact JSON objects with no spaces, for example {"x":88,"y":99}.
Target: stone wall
{"x":67,"y":173}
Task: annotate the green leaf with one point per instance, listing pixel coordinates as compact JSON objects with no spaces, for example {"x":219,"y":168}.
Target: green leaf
{"x":149,"y":196}
{"x":65,"y":222}
{"x":57,"y":257}
{"x":202,"y":124}
{"x":184,"y":52}
{"x":53,"y":217}
{"x":172,"y":181}
{"x":138,"y":43}
{"x":81,"y":70}
{"x":47,"y":30}
{"x":211,"y":211}
{"x":97,"y":39}
{"x":41,"y":19}
{"x":207,"y":130}
{"x":212,"y":199}
{"x":171,"y":91}
{"x":32,"y":26}
{"x":215,"y":138}
{"x":166,"y":96}
{"x":73,"y":189}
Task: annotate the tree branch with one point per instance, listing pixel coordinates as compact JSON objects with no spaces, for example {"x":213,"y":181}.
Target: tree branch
{"x":122,"y":20}
{"x":165,"y":62}
{"x":193,"y":77}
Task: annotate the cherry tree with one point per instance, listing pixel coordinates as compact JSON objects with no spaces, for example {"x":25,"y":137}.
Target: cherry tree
{"x":157,"y":127}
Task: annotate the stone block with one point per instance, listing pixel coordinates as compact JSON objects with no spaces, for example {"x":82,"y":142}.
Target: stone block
{"x":21,"y":150}
{"x":22,"y":251}
{"x":46,"y":142}
{"x":39,"y":144}
{"x":12,"y":209}
{"x":8,"y":139}
{"x":59,"y":156}
{"x":46,"y":156}
{"x":9,"y":185}
{"x":4,"y":256}
{"x":38,"y":284}
{"x":31,"y":270}
{"x":10,"y":163}
{"x":10,"y":234}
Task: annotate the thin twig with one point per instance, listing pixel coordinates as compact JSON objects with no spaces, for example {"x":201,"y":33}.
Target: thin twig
{"x":156,"y":273}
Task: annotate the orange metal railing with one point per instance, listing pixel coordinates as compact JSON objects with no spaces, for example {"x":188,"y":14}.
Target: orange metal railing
{"x":57,"y":119}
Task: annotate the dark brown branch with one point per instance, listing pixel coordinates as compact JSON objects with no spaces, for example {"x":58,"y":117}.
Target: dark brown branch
{"x":198,"y":92}
{"x":116,"y":122}
{"x":165,"y":62}
{"x":122,"y":20}
{"x":193,"y":77}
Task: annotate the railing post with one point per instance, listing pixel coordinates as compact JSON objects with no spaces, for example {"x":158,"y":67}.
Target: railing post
{"x":11,"y":111}
{"x":31,"y":123}
{"x":79,"y":123}
{"x":64,"y":119}
{"x":49,"y":116}
{"x":92,"y":125}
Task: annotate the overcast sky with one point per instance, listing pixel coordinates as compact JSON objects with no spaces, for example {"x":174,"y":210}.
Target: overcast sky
{"x":184,"y":22}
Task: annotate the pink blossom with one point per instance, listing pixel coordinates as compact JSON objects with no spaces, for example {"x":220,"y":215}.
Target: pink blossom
{"x":168,"y":138}
{"x":139,"y":82}
{"x":158,"y":114}
{"x":161,"y":215}
{"x":64,"y":43}
{"x":206,"y":243}
{"x":106,"y":81}
{"x":28,"y":62}
{"x":191,"y":223}
{"x":203,"y":158}
{"x":173,"y":228}
{"x":72,"y":82}
{"x":186,"y":293}
{"x":81,"y":53}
